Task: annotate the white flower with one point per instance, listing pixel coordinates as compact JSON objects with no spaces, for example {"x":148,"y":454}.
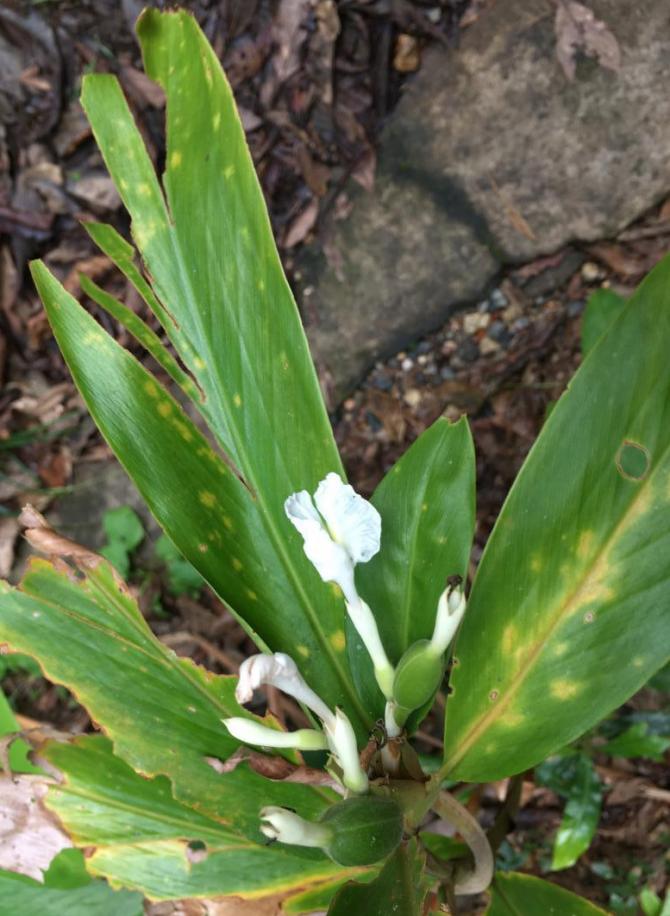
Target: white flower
{"x":342,"y":742}
{"x":344,"y":531}
{"x":282,"y":672}
{"x":251,"y":732}
{"x":450,"y":610}
{"x":278,"y":670}
{"x":287,"y":827}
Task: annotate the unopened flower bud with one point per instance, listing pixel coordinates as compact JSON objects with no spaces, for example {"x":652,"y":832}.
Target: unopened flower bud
{"x":354,"y":832}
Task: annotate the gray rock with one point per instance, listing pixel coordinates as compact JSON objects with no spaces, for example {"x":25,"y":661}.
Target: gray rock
{"x":492,"y":157}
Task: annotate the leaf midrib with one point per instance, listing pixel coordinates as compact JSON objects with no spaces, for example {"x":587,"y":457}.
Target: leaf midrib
{"x":564,"y":609}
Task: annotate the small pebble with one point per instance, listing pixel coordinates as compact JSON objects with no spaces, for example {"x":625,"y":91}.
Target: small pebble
{"x":446,"y":372}
{"x":520,"y":324}
{"x":512,"y":312}
{"x":487,"y":345}
{"x":468,"y":350}
{"x":381,"y":381}
{"x":407,"y":364}
{"x":575,"y":307}
{"x":590,"y":272}
{"x":349,"y":404}
{"x":498,"y":331}
{"x":424,"y":347}
{"x":412,"y":397}
{"x":498,"y":299}
{"x":475,"y":321}
{"x":422,"y":359}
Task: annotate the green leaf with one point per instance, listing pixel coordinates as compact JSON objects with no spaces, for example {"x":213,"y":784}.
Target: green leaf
{"x":650,"y":903}
{"x":319,"y":898}
{"x":574,"y":777}
{"x":124,"y":533}
{"x":123,"y":526}
{"x":220,"y":292}
{"x":636,"y":741}
{"x":661,"y":680}
{"x":205,"y":509}
{"x":137,"y":835}
{"x":143,"y":334}
{"x":577,"y":570}
{"x":513,"y":894}
{"x":183,"y":579}
{"x":400,"y":888}
{"x":427,"y":505}
{"x":18,"y":750}
{"x":163,"y":713}
{"x":26,"y":897}
{"x":602,"y":307}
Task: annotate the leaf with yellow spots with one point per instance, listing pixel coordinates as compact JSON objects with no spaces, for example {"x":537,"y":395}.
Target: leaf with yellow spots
{"x":218,"y":288}
{"x":194,"y":495}
{"x":427,"y":505}
{"x":568,"y":614}
{"x":138,"y":836}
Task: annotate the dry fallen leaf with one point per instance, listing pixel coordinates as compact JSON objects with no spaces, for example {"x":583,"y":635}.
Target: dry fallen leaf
{"x":302,"y":224}
{"x":30,"y":836}
{"x":407,"y":54}
{"x":577,"y":29}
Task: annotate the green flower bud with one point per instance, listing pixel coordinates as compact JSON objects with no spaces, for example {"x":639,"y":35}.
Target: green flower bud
{"x":363,"y":830}
{"x":417,"y":677}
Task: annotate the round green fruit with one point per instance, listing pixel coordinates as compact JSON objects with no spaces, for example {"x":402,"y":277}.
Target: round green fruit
{"x":365,"y":829}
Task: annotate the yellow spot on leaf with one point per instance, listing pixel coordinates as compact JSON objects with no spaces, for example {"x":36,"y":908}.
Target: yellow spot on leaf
{"x":93,"y":337}
{"x":510,"y":639}
{"x":513,"y":719}
{"x":335,"y":589}
{"x":237,"y":564}
{"x":237,"y":400}
{"x":638,"y":661}
{"x":229,"y":171}
{"x":165,"y":408}
{"x":261,"y":285}
{"x":563,"y":690}
{"x":203,"y":548}
{"x":536,"y":562}
{"x":560,"y":649}
{"x":337,"y":640}
{"x":151,"y":389}
{"x":175,"y":159}
{"x":216,"y":120}
{"x":252,"y":594}
{"x":302,"y":650}
{"x":123,"y":184}
{"x":207,"y":498}
{"x":199,"y":364}
{"x":585,"y":544}
{"x":144,"y":189}
{"x":228,"y":523}
{"x":424,"y":507}
{"x":183,"y":430}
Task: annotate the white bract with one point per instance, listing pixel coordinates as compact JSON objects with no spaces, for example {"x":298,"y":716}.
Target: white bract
{"x":287,"y":827}
{"x":450,"y":610}
{"x":279,"y":670}
{"x":339,"y":530}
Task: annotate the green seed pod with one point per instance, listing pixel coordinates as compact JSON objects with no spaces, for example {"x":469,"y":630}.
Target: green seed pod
{"x":364,"y":829}
{"x":418,"y":675}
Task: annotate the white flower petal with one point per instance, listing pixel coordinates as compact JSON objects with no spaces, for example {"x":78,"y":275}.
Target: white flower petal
{"x":342,"y":741}
{"x":250,"y":732}
{"x":331,"y":560}
{"x":263,"y":669}
{"x":352,"y":520}
{"x":280,"y":671}
{"x":288,"y":827}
